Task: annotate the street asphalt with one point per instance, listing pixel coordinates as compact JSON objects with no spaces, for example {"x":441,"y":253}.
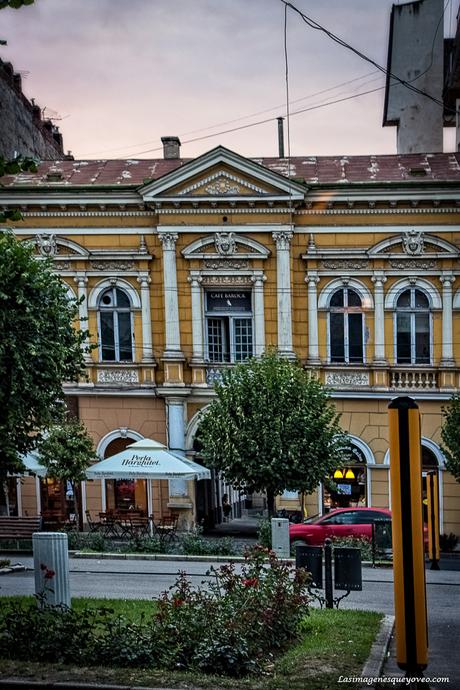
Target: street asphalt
{"x":140,"y":579}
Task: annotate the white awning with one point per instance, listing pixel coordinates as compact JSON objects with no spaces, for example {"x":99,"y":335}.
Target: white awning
{"x":147,"y":459}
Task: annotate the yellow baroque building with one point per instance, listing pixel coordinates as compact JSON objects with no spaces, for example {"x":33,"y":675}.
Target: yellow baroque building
{"x":187,"y":266}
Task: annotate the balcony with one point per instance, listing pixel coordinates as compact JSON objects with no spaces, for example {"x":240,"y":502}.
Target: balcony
{"x":413,"y":379}
{"x":214,"y":373}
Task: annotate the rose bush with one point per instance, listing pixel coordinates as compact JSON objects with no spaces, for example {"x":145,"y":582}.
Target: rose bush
{"x":233,"y":625}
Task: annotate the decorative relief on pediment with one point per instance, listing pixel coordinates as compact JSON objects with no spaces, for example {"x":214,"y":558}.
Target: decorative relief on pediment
{"x":226,"y":264}
{"x":46,"y":245}
{"x":223,"y":187}
{"x":222,"y":184}
{"x":413,"y":242}
{"x":112,"y":265}
{"x":344,"y":264}
{"x":413,"y":264}
{"x":225,"y":243}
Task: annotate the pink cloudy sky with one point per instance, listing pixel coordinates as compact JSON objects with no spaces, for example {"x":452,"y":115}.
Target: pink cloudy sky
{"x":123,"y":73}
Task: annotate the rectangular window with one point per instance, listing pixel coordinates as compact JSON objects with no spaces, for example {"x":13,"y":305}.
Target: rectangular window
{"x":403,"y":344}
{"x":217,"y":341}
{"x":242,"y":329}
{"x":337,"y":337}
{"x":229,"y":325}
{"x":422,"y":338}
{"x":124,"y":333}
{"x":107,"y":336}
{"x":355,"y":337}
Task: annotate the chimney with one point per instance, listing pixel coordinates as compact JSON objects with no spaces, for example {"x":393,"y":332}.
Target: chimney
{"x":171,"y":147}
{"x":280,"y":136}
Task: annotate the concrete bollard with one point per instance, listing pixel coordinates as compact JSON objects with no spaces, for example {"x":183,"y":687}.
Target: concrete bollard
{"x":280,"y":537}
{"x":51,"y":564}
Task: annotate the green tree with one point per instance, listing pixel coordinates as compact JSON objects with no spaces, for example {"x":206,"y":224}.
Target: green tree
{"x":272,"y":427}
{"x":450,"y":434}
{"x":66,"y":451}
{"x":39,"y":349}
{"x":15,"y":4}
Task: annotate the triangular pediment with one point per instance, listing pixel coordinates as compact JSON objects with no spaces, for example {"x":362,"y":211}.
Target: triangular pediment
{"x":222,"y":174}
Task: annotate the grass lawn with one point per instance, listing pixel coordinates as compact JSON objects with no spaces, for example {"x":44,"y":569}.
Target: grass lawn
{"x":332,"y":643}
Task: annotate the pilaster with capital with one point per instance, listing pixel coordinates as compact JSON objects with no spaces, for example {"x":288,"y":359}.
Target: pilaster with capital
{"x":197,"y":318}
{"x":259,"y":314}
{"x":282,"y":240}
{"x":312,"y":281}
{"x":447,"y":359}
{"x":147,"y":346}
{"x":172,"y":346}
{"x":379,"y":281}
{"x":82,"y":281}
{"x":176,"y":440}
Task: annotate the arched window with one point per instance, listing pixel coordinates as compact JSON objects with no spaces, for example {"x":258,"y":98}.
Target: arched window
{"x":115,"y":326}
{"x":346,"y":327}
{"x":413,"y":327}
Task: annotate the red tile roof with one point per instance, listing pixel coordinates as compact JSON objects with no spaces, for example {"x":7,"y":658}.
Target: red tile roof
{"x":313,"y":169}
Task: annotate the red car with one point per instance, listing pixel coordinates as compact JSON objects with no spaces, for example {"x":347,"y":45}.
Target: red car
{"x":343,"y":522}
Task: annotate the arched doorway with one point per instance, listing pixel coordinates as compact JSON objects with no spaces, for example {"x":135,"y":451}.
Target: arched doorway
{"x":432,"y":460}
{"x":122,"y":495}
{"x":429,"y":464}
{"x":348,"y":487}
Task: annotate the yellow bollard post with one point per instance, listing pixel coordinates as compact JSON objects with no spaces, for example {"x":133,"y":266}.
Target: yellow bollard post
{"x":432,"y":494}
{"x":407,"y":529}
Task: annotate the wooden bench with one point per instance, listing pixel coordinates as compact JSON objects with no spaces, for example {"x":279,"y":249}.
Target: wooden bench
{"x":13,"y":529}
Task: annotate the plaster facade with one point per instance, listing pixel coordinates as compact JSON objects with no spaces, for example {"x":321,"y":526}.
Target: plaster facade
{"x":222,"y":227}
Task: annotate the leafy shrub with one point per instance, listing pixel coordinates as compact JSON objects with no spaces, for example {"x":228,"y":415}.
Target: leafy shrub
{"x":448,"y":542}
{"x":232,"y":627}
{"x":264,"y":533}
{"x":194,"y":544}
{"x":362,"y":543}
{"x":5,"y":563}
{"x":79,"y":541}
{"x":145,"y":545}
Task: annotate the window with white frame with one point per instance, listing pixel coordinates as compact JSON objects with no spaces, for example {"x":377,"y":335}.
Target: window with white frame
{"x":346,"y":327}
{"x":413,"y":327}
{"x":229,"y":325}
{"x":115,"y":326}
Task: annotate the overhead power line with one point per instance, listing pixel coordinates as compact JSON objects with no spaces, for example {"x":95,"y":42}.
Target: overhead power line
{"x":262,"y":122}
{"x":242,"y":117}
{"x":404,"y":82}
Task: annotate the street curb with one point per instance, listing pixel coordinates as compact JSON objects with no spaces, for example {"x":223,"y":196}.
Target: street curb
{"x":173,"y":557}
{"x":12,"y":569}
{"x":377,"y":656}
{"x":155,"y":557}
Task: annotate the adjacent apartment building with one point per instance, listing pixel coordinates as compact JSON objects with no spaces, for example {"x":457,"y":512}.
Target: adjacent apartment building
{"x":188,"y":266}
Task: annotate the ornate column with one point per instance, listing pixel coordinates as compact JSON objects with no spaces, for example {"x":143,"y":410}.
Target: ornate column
{"x":447,"y":359}
{"x":283,"y":288}
{"x":379,"y":281}
{"x":147,"y":348}
{"x":197,"y":319}
{"x":312,"y":281}
{"x":259,"y":314}
{"x":172,"y":345}
{"x":82,"y":293}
